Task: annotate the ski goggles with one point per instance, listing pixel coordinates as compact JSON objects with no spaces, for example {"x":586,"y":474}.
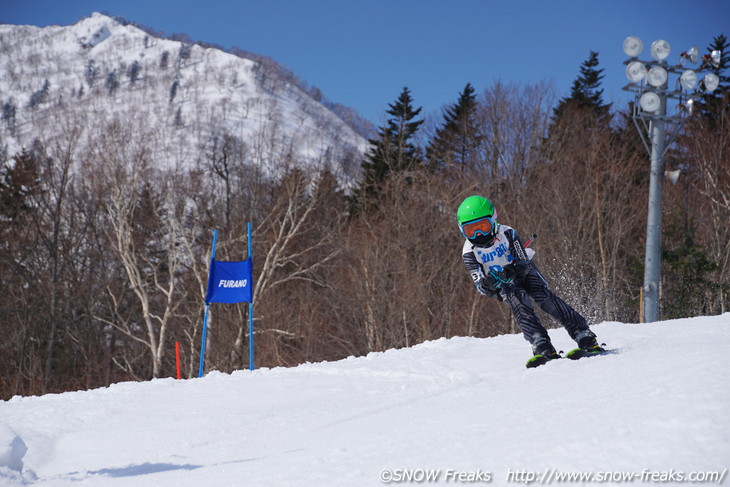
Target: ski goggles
{"x":482,"y":226}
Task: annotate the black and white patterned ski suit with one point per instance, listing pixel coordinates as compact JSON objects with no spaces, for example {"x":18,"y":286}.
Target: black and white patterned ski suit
{"x":518,"y":294}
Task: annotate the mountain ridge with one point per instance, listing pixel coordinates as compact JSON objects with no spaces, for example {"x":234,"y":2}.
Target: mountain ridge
{"x":186,"y":94}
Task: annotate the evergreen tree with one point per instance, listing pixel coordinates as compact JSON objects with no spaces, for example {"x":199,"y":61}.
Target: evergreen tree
{"x":178,"y":118}
{"x":133,"y":72}
{"x":9,"y":113}
{"x":456,"y":142}
{"x":164,"y":60}
{"x":112,"y":82}
{"x":18,"y":183}
{"x":393,"y":149}
{"x":689,"y":272}
{"x":185,"y":51}
{"x":719,"y":100}
{"x":586,"y":91}
{"x":173,"y":90}
{"x":39,"y":96}
{"x":91,"y":73}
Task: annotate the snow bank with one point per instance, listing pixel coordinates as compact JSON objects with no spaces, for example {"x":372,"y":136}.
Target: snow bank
{"x":12,"y":451}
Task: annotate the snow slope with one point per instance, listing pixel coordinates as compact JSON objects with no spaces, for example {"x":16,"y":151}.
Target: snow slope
{"x":462,"y":405}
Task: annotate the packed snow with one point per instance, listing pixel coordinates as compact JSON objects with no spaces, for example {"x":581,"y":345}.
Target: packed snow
{"x":450,"y":411}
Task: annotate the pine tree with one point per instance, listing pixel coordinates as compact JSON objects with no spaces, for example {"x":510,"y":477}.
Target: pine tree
{"x":164,"y":60}
{"x":133,"y":72}
{"x":112,"y":82}
{"x":9,"y":112}
{"x":91,"y":73}
{"x":40,"y":96}
{"x":689,"y":271}
{"x":393,"y":150}
{"x":185,"y":51}
{"x":18,"y":183}
{"x":173,"y":90}
{"x":719,"y":100}
{"x":585,"y":92}
{"x":178,"y":118}
{"x":456,"y":142}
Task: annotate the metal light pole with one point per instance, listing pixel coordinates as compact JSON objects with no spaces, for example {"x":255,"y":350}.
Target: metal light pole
{"x":649,"y":83}
{"x":653,"y":257}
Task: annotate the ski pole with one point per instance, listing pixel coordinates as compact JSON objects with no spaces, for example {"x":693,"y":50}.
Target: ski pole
{"x":534,"y":236}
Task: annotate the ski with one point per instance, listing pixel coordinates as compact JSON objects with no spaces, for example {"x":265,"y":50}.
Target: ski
{"x":579,"y":353}
{"x":538,"y":360}
{"x":575,"y":354}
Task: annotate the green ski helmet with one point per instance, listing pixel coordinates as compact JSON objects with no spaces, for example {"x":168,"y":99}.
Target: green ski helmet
{"x":477,"y":220}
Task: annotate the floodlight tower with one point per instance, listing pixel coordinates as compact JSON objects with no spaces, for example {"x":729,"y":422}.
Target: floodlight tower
{"x":649,"y":81}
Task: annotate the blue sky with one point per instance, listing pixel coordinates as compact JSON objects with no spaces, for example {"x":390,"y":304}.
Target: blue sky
{"x":362,"y":53}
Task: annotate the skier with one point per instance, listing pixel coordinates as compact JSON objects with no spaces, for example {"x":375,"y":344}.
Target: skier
{"x":501,"y":267}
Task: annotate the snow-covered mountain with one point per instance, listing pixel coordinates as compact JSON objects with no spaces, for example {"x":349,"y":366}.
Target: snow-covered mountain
{"x":182,"y":96}
{"x":456,"y":411}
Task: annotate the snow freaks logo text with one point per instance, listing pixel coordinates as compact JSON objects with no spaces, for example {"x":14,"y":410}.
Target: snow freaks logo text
{"x":552,"y":475}
{"x":548,"y":477}
{"x":422,"y":475}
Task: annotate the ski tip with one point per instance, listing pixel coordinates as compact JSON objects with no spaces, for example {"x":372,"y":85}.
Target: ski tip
{"x":538,"y":360}
{"x":578,"y":353}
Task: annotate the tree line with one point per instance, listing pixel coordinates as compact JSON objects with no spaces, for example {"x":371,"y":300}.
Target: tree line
{"x":104,"y":254}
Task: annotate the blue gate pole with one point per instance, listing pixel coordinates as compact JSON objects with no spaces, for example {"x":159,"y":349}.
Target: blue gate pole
{"x":250,"y":306}
{"x":207,"y":307}
{"x":202,"y":345}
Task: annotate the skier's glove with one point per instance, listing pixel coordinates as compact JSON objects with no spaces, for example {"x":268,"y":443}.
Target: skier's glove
{"x":523,"y":267}
{"x":492,"y":283}
{"x":485,"y":286}
{"x":518,"y":269}
{"x":478,"y":277}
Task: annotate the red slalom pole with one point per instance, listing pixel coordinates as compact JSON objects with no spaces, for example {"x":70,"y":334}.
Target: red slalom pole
{"x":177,"y":358}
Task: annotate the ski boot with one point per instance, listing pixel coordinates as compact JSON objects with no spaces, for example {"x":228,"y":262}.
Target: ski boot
{"x":587,"y":346}
{"x":543,"y":352}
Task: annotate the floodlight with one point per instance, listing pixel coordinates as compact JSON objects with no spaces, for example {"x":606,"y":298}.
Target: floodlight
{"x":633,"y":46}
{"x":673,"y":176}
{"x":716,"y":56}
{"x":635,"y":71}
{"x":692,"y":55}
{"x":649,"y":101}
{"x":688,"y":80}
{"x":660,"y":49}
{"x":657,"y":76}
{"x":710,"y":83}
{"x":687,"y":106}
{"x":713,"y":58}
